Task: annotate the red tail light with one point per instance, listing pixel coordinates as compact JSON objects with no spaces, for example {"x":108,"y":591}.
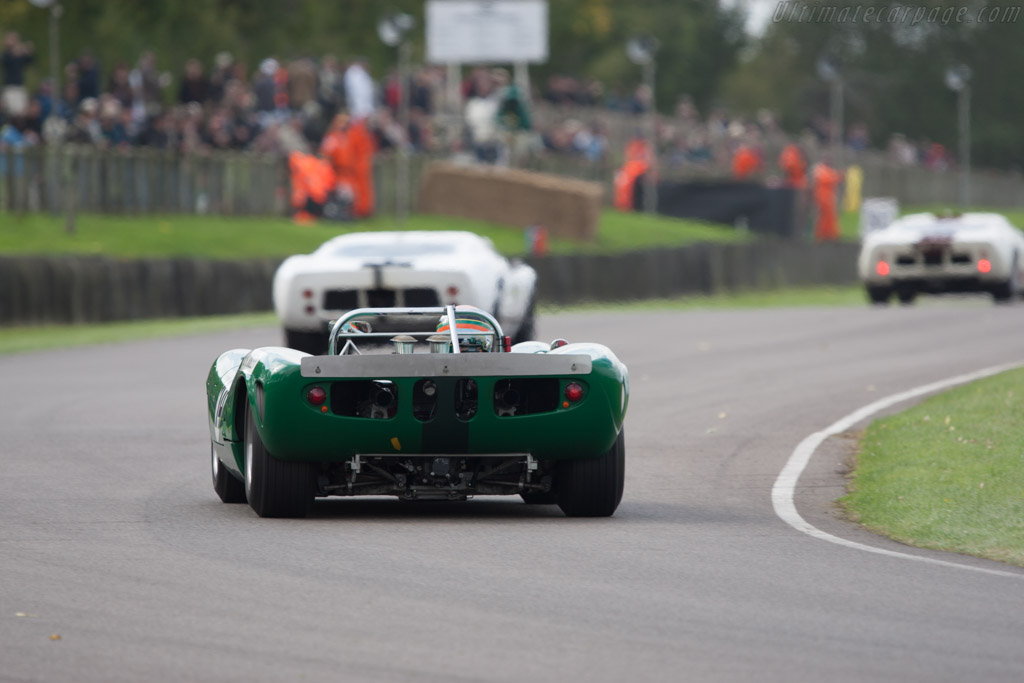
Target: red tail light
{"x":882,"y":268}
{"x":574,"y":392}
{"x":316,"y":396}
{"x":453,"y":290}
{"x":984,"y":266}
{"x":307,"y":293}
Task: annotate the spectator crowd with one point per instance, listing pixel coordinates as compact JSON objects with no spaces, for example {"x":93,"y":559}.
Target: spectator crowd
{"x":276,"y":107}
{"x":284,"y":106}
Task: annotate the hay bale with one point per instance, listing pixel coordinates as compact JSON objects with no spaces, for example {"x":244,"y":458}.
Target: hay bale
{"x":567,"y":207}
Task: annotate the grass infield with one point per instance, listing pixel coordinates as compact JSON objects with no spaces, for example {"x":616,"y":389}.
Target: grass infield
{"x":948,"y":474}
{"x":232,"y":237}
{"x":227,"y":237}
{"x":40,"y":337}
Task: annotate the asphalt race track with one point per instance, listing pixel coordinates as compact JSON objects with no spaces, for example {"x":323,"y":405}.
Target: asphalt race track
{"x":112,"y":538}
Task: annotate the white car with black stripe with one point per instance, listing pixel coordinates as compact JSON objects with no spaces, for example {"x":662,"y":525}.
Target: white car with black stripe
{"x":400,"y":269}
{"x":936,"y":254}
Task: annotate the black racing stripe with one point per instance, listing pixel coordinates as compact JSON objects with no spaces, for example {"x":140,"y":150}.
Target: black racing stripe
{"x":445,"y":433}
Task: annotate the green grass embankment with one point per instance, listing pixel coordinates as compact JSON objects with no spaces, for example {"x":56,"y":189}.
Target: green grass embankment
{"x":236,"y":237}
{"x":40,"y":337}
{"x":226,"y":237}
{"x":948,"y":474}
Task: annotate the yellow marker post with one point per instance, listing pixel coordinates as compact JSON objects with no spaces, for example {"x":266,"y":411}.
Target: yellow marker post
{"x":854,"y":185}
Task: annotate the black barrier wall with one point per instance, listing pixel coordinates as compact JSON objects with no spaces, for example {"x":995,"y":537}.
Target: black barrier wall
{"x":765,"y":210}
{"x":71,"y":289}
{"x":74,"y":289}
{"x":695,"y":269}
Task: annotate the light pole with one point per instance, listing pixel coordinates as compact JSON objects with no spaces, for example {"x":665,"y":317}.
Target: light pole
{"x":958,"y":79}
{"x":828,"y":70}
{"x":53,"y":131}
{"x":641,"y":51}
{"x":392,"y":30}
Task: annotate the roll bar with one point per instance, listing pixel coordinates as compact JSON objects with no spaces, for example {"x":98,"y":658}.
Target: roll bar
{"x":425,"y":311}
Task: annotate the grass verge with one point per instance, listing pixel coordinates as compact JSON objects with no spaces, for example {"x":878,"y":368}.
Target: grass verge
{"x":37,"y":338}
{"x":948,"y":474}
{"x":233,"y":237}
{"x":227,"y":237}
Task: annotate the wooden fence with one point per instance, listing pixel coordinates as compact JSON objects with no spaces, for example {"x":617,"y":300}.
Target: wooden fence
{"x":143,"y":181}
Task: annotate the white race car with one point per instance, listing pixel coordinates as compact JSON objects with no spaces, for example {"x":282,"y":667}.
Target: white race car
{"x":923,"y":252}
{"x":389,"y":269}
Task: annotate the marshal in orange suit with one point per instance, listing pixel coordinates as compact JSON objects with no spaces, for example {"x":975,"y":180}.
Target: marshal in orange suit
{"x":349,"y":147}
{"x":826,"y":186}
{"x":363,"y":148}
{"x":792,"y":163}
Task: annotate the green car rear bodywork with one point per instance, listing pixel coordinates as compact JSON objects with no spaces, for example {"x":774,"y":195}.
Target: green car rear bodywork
{"x":269,"y":382}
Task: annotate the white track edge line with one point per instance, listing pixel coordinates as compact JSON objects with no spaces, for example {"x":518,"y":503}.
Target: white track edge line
{"x":785,"y":485}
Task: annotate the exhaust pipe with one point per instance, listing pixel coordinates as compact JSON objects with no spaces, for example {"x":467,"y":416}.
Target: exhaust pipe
{"x":384,"y":397}
{"x":506,"y":402}
{"x":510,"y":397}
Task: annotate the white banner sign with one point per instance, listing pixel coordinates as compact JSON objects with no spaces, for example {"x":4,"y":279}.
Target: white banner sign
{"x":487,"y":31}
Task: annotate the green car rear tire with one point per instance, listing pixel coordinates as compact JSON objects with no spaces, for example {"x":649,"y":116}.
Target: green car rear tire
{"x":228,"y":487}
{"x":275,"y":488}
{"x":593,"y":487}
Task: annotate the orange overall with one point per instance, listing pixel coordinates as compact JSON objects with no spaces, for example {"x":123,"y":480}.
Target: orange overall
{"x":337,"y":148}
{"x":363,"y":148}
{"x":826,"y":183}
{"x":792,"y":163}
{"x":638,"y":154}
{"x":745,"y":162}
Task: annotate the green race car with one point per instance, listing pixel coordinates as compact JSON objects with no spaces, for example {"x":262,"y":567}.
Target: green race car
{"x":423,"y":404}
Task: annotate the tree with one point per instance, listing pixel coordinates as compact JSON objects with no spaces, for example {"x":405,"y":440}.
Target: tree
{"x":893,"y":69}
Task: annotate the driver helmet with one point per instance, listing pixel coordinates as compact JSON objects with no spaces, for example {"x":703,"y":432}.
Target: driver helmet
{"x":475,"y":332}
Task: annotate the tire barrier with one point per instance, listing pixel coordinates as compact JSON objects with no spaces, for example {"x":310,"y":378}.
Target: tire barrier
{"x":78,"y":289}
{"x":695,"y":269}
